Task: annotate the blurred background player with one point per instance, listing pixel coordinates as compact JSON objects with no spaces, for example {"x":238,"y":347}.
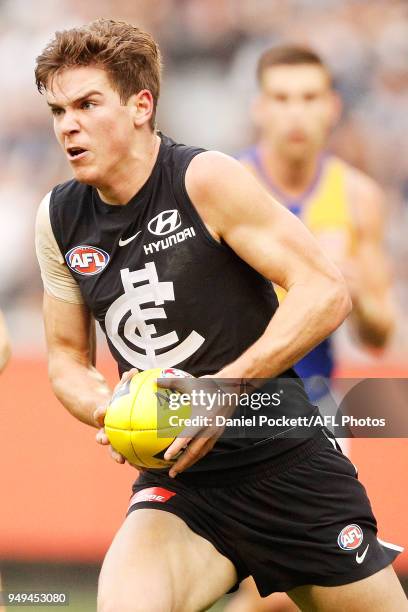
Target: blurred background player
{"x":294,"y":113}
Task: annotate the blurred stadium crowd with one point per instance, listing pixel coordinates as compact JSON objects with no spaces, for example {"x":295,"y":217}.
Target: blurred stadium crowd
{"x":210,"y":49}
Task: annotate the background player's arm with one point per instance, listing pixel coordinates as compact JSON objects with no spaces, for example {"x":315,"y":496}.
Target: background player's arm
{"x":5,"y":350}
{"x":370,"y":279}
{"x":70,"y":339}
{"x":275,"y":243}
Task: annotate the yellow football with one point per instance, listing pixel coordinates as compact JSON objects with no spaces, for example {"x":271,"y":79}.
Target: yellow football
{"x":137,"y":420}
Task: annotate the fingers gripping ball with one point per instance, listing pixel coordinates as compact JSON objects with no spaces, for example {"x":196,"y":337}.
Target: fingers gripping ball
{"x":137,"y":421}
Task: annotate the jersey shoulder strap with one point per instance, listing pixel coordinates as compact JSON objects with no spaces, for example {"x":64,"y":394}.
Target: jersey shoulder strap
{"x":67,"y":203}
{"x":176,"y":159}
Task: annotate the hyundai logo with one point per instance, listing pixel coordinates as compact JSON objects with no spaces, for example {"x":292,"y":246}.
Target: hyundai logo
{"x":165,"y":222}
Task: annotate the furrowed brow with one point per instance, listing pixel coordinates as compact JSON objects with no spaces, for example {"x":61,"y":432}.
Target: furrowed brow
{"x":93,"y":92}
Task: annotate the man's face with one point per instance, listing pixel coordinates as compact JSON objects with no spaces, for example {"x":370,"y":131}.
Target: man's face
{"x":296,"y":109}
{"x":91,"y":124}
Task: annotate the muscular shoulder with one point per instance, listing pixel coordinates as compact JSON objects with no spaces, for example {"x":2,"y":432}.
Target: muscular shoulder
{"x":204,"y":173}
{"x":217,"y":185}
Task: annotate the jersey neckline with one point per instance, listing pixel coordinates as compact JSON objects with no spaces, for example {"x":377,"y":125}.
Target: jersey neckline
{"x":295,"y":204}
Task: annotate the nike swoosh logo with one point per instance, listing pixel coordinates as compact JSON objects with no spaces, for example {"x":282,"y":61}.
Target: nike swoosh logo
{"x":360,"y":558}
{"x":127,"y":240}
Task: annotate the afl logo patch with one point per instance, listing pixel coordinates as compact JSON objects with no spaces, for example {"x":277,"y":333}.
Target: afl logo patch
{"x":87,"y":260}
{"x":350,"y":537}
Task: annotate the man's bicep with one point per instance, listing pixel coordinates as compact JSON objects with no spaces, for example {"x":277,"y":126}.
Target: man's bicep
{"x":259,"y":229}
{"x":68,"y":329}
{"x":278,"y":246}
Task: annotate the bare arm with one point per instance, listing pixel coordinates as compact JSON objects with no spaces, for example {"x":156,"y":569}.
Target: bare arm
{"x":5,"y":349}
{"x":236,"y":208}
{"x":71,"y":357}
{"x":373,"y":312}
{"x":275,"y":243}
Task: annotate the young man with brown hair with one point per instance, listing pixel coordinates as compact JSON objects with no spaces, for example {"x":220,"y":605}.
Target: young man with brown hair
{"x":172,"y":249}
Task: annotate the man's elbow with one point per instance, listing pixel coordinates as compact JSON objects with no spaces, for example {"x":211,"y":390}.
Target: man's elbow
{"x":54,"y":372}
{"x":59,"y":364}
{"x":339,"y":304}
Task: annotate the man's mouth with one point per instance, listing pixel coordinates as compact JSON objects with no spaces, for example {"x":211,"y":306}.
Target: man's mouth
{"x":76,"y":152}
{"x":296,"y":136}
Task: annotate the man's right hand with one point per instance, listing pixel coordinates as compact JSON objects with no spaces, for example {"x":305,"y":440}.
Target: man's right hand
{"x":99,"y":417}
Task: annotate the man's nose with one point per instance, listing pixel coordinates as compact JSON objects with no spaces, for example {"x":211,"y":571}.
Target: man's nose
{"x":297,"y":108}
{"x":69,"y":123}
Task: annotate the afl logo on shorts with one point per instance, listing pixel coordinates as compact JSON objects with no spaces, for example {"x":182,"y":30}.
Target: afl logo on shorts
{"x":350,"y":537}
{"x":87,"y":260}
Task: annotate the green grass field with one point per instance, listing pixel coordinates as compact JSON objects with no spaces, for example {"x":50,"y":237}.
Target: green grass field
{"x":79,"y":581}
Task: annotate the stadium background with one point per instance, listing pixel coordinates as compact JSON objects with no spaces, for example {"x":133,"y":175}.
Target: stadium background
{"x":62,"y":498}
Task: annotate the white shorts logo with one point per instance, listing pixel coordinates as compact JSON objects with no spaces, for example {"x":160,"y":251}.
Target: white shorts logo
{"x":141,"y":346}
{"x":360,"y":558}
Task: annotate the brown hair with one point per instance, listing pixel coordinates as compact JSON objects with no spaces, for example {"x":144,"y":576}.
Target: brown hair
{"x":130,"y":57}
{"x":289,"y":55}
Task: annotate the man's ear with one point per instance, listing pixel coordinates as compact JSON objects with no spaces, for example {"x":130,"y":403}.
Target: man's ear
{"x":141,"y":105}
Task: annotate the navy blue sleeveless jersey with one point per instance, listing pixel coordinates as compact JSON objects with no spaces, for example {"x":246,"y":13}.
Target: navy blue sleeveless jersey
{"x":163,"y":290}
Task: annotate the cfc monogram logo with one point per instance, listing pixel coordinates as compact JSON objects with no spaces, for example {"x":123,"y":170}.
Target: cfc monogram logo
{"x":127,"y":324}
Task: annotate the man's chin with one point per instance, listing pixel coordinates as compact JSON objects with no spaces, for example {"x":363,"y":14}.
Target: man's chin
{"x":297,"y":152}
{"x":87,"y":176}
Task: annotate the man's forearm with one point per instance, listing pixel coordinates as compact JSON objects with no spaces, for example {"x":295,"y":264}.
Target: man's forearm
{"x":305,"y":318}
{"x":373,"y":315}
{"x":80,"y":388}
